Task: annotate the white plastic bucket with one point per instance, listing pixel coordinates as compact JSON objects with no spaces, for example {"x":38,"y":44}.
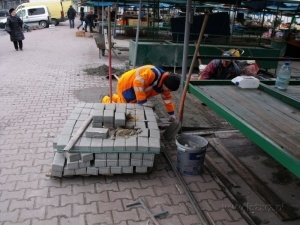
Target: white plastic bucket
{"x":191,"y":151}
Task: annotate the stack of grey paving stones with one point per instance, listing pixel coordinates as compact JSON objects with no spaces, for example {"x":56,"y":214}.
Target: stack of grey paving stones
{"x":121,"y":139}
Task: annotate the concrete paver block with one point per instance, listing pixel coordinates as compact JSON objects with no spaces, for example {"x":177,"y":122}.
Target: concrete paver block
{"x":124,"y":162}
{"x":62,"y":142}
{"x":147,"y":163}
{"x":151,"y":118}
{"x":152,"y":126}
{"x":113,"y":156}
{"x":154,"y":133}
{"x":84,"y":164}
{"x":100,"y":163}
{"x":136,"y":162}
{"x":97,"y":125}
{"x":74,"y":116}
{"x":120,"y":119}
{"x":55,"y":141}
{"x":141,"y":169}
{"x":85,"y":157}
{"x":100,"y":155}
{"x":143,"y":144}
{"x":104,"y":170}
{"x":111,"y":162}
{"x":140,"y":125}
{"x":108,"y":145}
{"x":80,"y":171}
{"x":116,"y":170}
{"x":98,"y":106}
{"x":148,"y":156}
{"x":129,"y":124}
{"x":119,"y":144}
{"x":58,"y":162}
{"x":121,"y":108}
{"x":96,"y":145}
{"x":69,"y":172}
{"x":83,"y":117}
{"x":137,"y":155}
{"x":75,"y":147}
{"x":85,"y":111}
{"x":108,"y":116}
{"x":70,"y":123}
{"x":93,"y":132}
{"x":92,"y":171}
{"x":85,"y":144}
{"x":89,"y":105}
{"x":67,"y":130}
{"x":72,"y":165}
{"x":98,"y":115}
{"x":124,"y":155}
{"x":144,"y":133}
{"x":71,"y":157}
{"x":56,"y":173}
{"x":140,"y":116}
{"x":111,"y":107}
{"x":80,"y":105}
{"x":127,"y":169}
{"x":131,"y":144}
{"x":154,"y":145}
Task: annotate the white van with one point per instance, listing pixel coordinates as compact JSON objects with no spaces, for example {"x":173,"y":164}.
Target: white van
{"x":32,"y":15}
{"x":35,"y":15}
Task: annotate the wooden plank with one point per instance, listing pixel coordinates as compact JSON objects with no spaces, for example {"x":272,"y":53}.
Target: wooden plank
{"x":285,"y":213}
{"x":289,"y":141}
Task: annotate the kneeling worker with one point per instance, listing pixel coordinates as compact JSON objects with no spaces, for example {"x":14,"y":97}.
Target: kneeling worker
{"x":137,"y":85}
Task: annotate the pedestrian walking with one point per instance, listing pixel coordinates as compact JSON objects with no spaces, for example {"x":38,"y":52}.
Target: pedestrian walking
{"x":14,"y":28}
{"x":81,"y":17}
{"x":71,"y":16}
{"x":89,"y":21}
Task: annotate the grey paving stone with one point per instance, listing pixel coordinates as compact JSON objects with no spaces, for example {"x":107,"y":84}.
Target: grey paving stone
{"x":108,"y":145}
{"x":120,"y":119}
{"x":100,"y":163}
{"x":138,"y":106}
{"x":143,"y":144}
{"x":67,"y":130}
{"x":154,"y":133}
{"x":110,"y":107}
{"x":113,"y":156}
{"x":92,"y":170}
{"x":137,"y":155}
{"x":152,"y":126}
{"x":75,"y":147}
{"x":136,"y":162}
{"x":104,"y":170}
{"x":97,"y":125}
{"x":94,"y":132}
{"x":100,"y":155}
{"x":72,"y":165}
{"x":127,"y":169}
{"x":55,"y":141}
{"x":58,"y":162}
{"x":85,"y":111}
{"x":62,"y":142}
{"x":129,"y":124}
{"x":96,"y":145}
{"x":140,"y":116}
{"x":151,"y":118}
{"x":119,"y":144}
{"x":69,"y":172}
{"x":108,"y":116}
{"x":140,"y":125}
{"x":147,"y":163}
{"x":56,"y":173}
{"x":98,"y":106}
{"x":74,"y":116}
{"x":130,"y":106}
{"x":98,"y":115}
{"x":131,"y":144}
{"x":78,"y":109}
{"x":144,"y":133}
{"x":124,"y":155}
{"x":124,"y":162}
{"x":115,"y":170}
{"x":84,"y":164}
{"x":85,"y":144}
{"x":111,"y":162}
{"x":121,"y":108}
{"x":81,"y":171}
{"x":71,"y":157}
{"x":89,"y":105}
{"x":141,"y":169}
{"x":148,"y":156}
{"x":85,"y":157}
{"x":70,"y":123}
{"x":78,"y":124}
{"x":154,"y":145}
{"x":80,"y":105}
{"x":83,"y":117}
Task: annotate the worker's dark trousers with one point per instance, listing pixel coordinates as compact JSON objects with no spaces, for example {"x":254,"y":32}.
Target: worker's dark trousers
{"x":88,"y":23}
{"x":20,"y":44}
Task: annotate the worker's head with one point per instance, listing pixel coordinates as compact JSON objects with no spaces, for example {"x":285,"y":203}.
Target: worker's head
{"x":12,"y":12}
{"x":171,"y":82}
{"x":227,"y":62}
{"x":71,"y":6}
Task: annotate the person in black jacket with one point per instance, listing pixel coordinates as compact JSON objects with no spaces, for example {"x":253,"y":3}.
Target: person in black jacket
{"x":81,"y":17}
{"x":14,"y":28}
{"x":89,"y":21}
{"x":71,"y":16}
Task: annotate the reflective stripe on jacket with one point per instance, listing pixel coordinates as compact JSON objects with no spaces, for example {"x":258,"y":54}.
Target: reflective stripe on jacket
{"x":137,"y":85}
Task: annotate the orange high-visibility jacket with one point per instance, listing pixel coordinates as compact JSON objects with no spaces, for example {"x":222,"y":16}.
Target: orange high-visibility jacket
{"x":136,"y":85}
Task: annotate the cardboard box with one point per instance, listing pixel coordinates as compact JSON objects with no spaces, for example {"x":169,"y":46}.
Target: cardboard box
{"x":134,"y":22}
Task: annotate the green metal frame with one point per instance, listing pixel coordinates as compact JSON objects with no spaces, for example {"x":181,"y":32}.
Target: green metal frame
{"x":290,"y":162}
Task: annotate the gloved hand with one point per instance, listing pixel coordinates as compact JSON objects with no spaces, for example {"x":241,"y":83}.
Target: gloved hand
{"x":148,"y":104}
{"x":172,"y":118}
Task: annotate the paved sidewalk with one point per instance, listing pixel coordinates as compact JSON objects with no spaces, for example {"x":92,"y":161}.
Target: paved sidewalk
{"x":39,"y":87}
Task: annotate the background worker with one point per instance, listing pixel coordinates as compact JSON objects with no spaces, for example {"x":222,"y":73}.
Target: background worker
{"x":71,"y":16}
{"x":89,"y":21}
{"x":139,"y":84}
{"x":221,"y":69}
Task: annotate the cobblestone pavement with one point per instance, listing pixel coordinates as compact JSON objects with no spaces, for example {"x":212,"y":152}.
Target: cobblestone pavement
{"x":37,"y":93}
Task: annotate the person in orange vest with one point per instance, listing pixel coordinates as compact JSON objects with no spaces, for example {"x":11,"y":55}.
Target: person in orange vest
{"x":139,"y":84}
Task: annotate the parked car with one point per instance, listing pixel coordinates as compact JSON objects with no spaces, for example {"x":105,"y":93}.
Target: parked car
{"x":4,"y":12}
{"x":32,"y":15}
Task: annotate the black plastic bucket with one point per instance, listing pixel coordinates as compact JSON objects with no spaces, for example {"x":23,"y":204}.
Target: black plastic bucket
{"x":191,"y":151}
